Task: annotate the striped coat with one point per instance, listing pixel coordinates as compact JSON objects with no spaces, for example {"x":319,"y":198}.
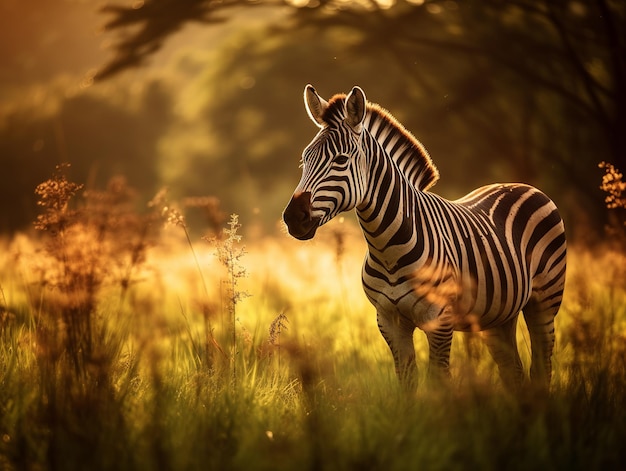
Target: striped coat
{"x":471,"y":264}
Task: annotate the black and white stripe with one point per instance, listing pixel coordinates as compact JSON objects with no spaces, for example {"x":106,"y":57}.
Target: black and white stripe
{"x":433,"y":264}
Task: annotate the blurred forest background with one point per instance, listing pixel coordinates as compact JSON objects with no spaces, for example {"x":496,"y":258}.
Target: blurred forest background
{"x":205,"y":97}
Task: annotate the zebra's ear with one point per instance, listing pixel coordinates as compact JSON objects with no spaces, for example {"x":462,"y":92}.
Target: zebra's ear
{"x":355,"y":108}
{"x":315,"y":105}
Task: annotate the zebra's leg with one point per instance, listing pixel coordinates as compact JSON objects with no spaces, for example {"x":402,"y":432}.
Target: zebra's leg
{"x":398,"y":333}
{"x":439,"y":334}
{"x":540,"y":323}
{"x":439,"y":344}
{"x":502,"y":344}
{"x":539,"y":313}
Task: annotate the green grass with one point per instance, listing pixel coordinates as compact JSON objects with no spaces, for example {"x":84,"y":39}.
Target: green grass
{"x":132,"y":364}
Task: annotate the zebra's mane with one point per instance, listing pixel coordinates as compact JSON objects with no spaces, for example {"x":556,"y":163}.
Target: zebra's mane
{"x":408,"y":153}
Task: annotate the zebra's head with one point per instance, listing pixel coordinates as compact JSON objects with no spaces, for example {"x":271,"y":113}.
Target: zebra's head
{"x":331,"y":181}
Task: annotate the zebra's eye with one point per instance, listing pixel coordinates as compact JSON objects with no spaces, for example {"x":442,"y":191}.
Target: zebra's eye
{"x":341,"y":159}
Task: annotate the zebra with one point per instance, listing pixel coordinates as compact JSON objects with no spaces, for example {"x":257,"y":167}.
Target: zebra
{"x":472,"y":264}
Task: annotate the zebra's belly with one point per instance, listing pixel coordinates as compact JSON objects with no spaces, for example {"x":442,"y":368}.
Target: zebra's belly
{"x":423,"y":305}
{"x":401,"y":300}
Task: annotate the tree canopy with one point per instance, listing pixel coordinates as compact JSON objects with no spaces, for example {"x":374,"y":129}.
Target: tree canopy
{"x":574,"y":49}
{"x":496,"y":90}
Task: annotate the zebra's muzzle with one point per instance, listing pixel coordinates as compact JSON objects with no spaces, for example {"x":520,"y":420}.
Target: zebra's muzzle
{"x":298,"y":218}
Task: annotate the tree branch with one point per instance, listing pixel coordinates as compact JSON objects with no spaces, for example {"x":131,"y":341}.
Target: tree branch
{"x":154,"y":22}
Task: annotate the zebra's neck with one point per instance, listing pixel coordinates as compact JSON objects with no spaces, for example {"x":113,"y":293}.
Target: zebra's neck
{"x":399,"y":170}
{"x":390,"y":212}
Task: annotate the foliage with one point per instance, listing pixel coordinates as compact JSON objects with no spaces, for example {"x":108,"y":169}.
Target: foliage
{"x":543,"y":100}
{"x":614,"y":185}
{"x":102,"y":243}
{"x":538,"y":105}
{"x":548,"y":95}
{"x":154,"y":21}
{"x":328,"y":399}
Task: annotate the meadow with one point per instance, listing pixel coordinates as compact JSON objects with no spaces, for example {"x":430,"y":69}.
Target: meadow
{"x":128,"y":342}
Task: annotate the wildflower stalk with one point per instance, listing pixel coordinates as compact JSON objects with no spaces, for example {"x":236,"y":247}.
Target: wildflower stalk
{"x":74,"y":281}
{"x":173,"y":216}
{"x":276,"y":328}
{"x":230,"y":257}
{"x":100,"y":242}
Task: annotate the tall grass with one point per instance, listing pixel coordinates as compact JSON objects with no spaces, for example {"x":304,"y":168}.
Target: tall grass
{"x":115,"y":353}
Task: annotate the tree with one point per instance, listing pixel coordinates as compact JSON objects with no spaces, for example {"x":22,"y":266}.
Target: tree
{"x":564,"y":60}
{"x":544,"y":81}
{"x":574,"y":49}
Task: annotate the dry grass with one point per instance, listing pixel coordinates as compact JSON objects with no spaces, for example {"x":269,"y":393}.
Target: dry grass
{"x":128,"y":345}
